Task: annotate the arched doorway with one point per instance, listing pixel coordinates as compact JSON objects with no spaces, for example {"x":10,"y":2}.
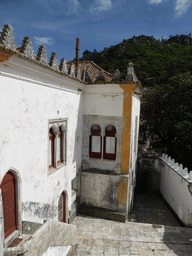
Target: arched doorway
{"x":9,"y":203}
{"x":62,"y":208}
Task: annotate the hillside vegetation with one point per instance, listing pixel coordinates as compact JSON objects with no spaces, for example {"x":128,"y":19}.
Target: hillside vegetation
{"x":154,"y":60}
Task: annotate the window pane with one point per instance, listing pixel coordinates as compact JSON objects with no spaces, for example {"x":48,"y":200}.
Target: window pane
{"x":96,"y":144}
{"x":110,"y":145}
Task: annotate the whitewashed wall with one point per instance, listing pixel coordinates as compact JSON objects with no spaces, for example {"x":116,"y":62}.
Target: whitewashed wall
{"x":135,"y":117}
{"x":175,"y":184}
{"x":103,"y":100}
{"x":30,"y":97}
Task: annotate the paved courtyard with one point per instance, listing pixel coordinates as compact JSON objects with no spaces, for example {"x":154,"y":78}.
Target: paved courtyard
{"x":99,"y":237}
{"x":152,"y":230}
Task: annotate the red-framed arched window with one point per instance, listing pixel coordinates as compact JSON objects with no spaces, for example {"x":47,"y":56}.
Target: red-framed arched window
{"x":95,"y":142}
{"x":110,"y":143}
{"x":52,"y":137}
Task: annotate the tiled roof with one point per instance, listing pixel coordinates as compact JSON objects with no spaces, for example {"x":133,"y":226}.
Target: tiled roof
{"x":92,"y":69}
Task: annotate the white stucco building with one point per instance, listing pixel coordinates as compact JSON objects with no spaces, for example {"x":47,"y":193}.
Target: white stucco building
{"x":63,"y":143}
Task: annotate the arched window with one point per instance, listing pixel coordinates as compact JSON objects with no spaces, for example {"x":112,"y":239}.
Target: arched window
{"x":95,"y":141}
{"x":110,"y":142}
{"x":51,"y":148}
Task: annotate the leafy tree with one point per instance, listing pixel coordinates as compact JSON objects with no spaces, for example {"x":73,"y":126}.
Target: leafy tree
{"x":167,"y":109}
{"x":151,"y":57}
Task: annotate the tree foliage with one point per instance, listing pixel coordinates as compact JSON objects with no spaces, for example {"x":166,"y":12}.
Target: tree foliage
{"x":167,"y":109}
{"x":152,"y":58}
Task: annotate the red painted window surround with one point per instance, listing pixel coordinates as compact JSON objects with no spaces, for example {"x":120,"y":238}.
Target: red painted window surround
{"x":110,"y":132}
{"x":95,"y":132}
{"x":52,"y":138}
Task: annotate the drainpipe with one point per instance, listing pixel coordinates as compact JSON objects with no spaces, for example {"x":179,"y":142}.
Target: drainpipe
{"x":77,"y":53}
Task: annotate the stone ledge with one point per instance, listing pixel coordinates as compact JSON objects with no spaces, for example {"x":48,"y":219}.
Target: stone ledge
{"x":102,"y":213}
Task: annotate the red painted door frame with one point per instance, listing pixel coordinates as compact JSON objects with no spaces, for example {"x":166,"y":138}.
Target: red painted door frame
{"x":63,"y":217}
{"x":9,"y":203}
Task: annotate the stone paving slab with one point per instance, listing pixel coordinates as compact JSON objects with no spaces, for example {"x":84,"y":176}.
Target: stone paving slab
{"x":107,"y":238}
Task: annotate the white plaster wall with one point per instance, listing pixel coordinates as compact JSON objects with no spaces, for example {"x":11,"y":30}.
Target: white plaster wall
{"x":174,"y":189}
{"x":103,"y":100}
{"x":133,"y":148}
{"x":26,"y":108}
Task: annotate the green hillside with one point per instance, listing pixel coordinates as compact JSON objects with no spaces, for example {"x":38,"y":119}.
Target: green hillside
{"x":155,"y":60}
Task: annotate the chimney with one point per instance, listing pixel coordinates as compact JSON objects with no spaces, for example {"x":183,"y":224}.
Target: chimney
{"x":77,"y":53}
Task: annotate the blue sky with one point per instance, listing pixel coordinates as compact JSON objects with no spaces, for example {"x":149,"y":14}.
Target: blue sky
{"x":98,"y":23}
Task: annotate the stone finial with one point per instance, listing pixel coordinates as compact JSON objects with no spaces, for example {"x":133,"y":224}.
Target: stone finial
{"x":101,"y":76}
{"x":42,"y":55}
{"x":131,"y":73}
{"x":26,"y":47}
{"x":72,"y":70}
{"x":7,"y":37}
{"x":63,"y":66}
{"x":87,"y":77}
{"x":116,"y":76}
{"x":78,"y":73}
{"x":83,"y":74}
{"x":53,"y":61}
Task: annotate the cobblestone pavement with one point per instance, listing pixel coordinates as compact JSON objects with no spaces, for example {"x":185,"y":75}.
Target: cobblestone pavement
{"x":99,"y":237}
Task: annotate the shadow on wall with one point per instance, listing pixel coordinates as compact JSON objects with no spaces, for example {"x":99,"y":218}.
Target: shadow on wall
{"x":148,"y":177}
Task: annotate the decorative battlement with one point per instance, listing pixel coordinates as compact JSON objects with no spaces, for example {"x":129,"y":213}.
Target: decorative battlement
{"x":85,"y":71}
{"x":176,"y":188}
{"x":7,"y":37}
{"x":53,"y":61}
{"x":27,"y":48}
{"x":42,"y":55}
{"x":178,"y":168}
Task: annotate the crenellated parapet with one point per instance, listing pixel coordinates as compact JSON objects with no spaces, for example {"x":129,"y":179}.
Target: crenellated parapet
{"x":176,"y":188}
{"x":27,"y":48}
{"x":7,"y":38}
{"x":42,"y":55}
{"x":85,"y":71}
{"x":63,"y":66}
{"x":53,"y":63}
{"x":177,"y":167}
